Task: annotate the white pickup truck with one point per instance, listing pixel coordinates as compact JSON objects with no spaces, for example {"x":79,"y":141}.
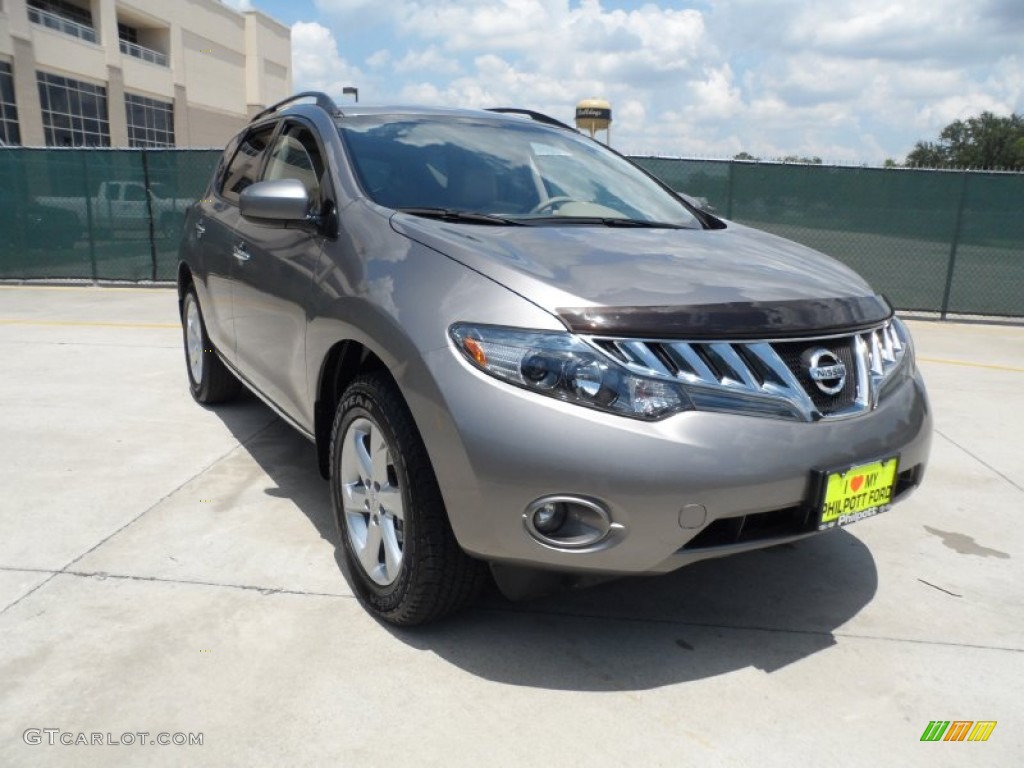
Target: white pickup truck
{"x":122,"y":205}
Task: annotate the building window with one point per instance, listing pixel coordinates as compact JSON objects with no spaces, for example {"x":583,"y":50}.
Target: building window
{"x":66,"y":17}
{"x":9,"y":133}
{"x":138,"y":42}
{"x":128,"y":34}
{"x":63,"y":8}
{"x":74,"y":113}
{"x":150,"y":122}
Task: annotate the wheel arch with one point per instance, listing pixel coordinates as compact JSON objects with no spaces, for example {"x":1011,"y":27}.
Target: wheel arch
{"x":344,"y":361}
{"x":184,"y":281}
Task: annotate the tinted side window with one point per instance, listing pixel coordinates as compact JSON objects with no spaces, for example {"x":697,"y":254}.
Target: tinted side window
{"x":245,"y":165}
{"x":296,"y":156}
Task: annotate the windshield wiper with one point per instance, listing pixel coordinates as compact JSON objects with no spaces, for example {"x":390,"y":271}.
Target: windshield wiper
{"x":606,"y":221}
{"x":463,"y":217}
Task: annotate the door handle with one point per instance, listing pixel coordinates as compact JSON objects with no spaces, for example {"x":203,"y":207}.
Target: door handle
{"x":200,"y":230}
{"x":240,"y":253}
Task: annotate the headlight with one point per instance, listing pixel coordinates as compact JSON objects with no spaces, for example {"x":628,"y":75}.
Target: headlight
{"x":562,"y":366}
{"x":904,"y":336}
{"x":897,"y":342}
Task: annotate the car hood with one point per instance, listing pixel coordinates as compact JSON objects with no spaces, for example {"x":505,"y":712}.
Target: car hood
{"x":580,"y":267}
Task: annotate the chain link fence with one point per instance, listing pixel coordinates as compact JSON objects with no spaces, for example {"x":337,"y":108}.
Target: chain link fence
{"x":950,"y":242}
{"x":932,"y":241}
{"x":96,"y":214}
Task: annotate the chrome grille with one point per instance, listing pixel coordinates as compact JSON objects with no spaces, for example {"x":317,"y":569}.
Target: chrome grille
{"x":769,"y":375}
{"x":792,"y":354}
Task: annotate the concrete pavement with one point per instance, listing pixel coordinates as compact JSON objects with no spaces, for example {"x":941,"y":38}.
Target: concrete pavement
{"x":166,"y":568}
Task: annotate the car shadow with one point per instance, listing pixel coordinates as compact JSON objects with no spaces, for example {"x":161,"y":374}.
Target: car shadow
{"x":763,"y":610}
{"x":285,"y":455}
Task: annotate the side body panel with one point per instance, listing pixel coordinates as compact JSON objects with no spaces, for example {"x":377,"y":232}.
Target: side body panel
{"x":206,"y":248}
{"x":271,"y":284}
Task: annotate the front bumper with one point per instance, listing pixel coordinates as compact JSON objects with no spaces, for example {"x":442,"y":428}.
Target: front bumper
{"x":496,"y":448}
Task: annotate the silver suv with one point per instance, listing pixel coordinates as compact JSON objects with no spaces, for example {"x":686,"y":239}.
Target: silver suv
{"x":522,"y":357}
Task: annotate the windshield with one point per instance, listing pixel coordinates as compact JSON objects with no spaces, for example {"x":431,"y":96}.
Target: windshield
{"x":524,"y":172}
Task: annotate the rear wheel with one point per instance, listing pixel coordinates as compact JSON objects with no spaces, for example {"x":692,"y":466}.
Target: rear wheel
{"x":208,"y":378}
{"x":398,"y":547}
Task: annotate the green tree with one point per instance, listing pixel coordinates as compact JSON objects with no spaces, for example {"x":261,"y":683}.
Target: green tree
{"x":985,"y":141}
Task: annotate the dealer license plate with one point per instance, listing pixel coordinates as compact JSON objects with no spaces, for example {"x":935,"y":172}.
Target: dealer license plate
{"x":857,"y":493}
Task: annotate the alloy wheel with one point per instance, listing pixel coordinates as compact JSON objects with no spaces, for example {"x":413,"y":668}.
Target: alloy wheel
{"x":372,"y":501}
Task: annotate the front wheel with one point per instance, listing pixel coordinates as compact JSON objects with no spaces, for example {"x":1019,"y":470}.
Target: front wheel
{"x":209,"y":380}
{"x":397,"y":545}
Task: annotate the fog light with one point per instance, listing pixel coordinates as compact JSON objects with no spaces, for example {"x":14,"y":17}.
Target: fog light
{"x":568,"y":522}
{"x":549,"y":517}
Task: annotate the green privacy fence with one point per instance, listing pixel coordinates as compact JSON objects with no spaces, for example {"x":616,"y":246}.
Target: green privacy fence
{"x":936,"y":241}
{"x":96,"y":214}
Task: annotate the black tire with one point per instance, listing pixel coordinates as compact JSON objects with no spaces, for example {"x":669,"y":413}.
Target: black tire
{"x":209,"y":380}
{"x":434,"y":576}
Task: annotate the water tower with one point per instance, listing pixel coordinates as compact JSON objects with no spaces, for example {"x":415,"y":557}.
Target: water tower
{"x":593,"y":115}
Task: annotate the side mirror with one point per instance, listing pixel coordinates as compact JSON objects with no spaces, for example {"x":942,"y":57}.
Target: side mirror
{"x":281,"y":199}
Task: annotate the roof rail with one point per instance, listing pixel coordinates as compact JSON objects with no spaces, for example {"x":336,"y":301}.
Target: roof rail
{"x":540,"y":117}
{"x":323,"y":101}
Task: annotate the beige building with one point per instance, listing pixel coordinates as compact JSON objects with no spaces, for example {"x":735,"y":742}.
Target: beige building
{"x":136,"y":73}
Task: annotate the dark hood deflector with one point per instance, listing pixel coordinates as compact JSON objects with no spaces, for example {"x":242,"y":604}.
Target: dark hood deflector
{"x":737,"y":320}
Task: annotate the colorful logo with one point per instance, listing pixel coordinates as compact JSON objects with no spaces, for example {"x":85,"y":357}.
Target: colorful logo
{"x":958,"y":730}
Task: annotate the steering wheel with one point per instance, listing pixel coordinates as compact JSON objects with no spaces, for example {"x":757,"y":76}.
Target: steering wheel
{"x":551,"y":202}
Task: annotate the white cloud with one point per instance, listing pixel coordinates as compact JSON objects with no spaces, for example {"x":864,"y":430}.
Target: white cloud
{"x":378,"y":59}
{"x":545,"y":54}
{"x":428,"y":59}
{"x":848,"y":80}
{"x":316,"y":63}
{"x":715,"y":95}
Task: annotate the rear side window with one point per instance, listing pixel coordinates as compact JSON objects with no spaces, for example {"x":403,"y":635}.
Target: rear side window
{"x":244,"y":168}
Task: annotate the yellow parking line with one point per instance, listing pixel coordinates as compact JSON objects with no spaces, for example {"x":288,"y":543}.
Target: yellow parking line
{"x":1010,"y":368}
{"x":87,"y":323}
{"x":964,"y":326}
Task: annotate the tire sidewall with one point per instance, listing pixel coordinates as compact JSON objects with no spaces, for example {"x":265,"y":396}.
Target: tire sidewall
{"x":196,"y":387}
{"x":189,"y":298}
{"x":360,"y":401}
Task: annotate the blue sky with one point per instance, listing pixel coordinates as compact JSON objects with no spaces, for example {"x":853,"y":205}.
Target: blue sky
{"x":851,"y":81}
